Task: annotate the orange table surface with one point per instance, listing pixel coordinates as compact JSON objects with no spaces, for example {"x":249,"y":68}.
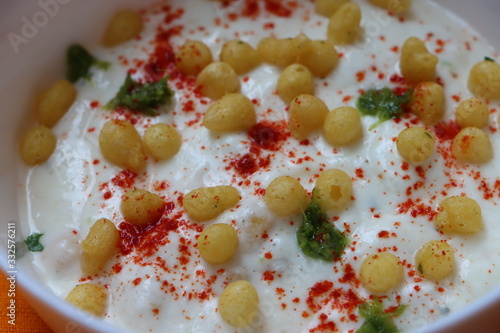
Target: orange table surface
{"x":26,"y":318}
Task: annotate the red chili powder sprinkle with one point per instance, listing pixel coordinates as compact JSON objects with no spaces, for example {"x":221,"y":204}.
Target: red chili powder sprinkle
{"x":317,"y":290}
{"x":125,"y":179}
{"x":416,"y":209}
{"x":446,"y":130}
{"x":325,"y":325}
{"x":360,"y":173}
{"x":246,"y":165}
{"x":268,"y":276}
{"x":395,"y":78}
{"x":94,"y":104}
{"x":277,"y":8}
{"x":395,"y":49}
{"x":268,"y":26}
{"x":268,"y":255}
{"x":360,"y":76}
{"x":383,"y":234}
{"x":268,"y":135}
{"x":117,"y":268}
{"x":188,"y":106}
{"x":420,"y":171}
{"x":349,"y":276}
{"x":146,"y":239}
{"x":251,"y":8}
{"x":346,"y":98}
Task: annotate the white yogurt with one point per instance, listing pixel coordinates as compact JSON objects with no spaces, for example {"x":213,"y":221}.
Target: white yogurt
{"x":65,"y":196}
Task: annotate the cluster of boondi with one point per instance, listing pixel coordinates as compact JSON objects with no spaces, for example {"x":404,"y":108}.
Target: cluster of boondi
{"x":303,"y":59}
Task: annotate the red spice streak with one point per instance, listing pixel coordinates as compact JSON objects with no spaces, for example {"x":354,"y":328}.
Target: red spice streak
{"x":125,"y":179}
{"x":136,"y":281}
{"x":446,"y":130}
{"x":268,"y":255}
{"x":94,"y":104}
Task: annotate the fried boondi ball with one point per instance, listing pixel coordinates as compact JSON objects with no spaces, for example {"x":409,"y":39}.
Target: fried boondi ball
{"x":238,"y":303}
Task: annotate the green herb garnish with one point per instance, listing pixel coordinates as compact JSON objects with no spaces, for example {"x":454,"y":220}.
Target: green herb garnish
{"x":376,"y":319}
{"x":488,"y":59}
{"x":33,"y":242}
{"x":79,"y":61}
{"x":317,"y":237}
{"x":383,"y":103}
{"x":141,"y":97}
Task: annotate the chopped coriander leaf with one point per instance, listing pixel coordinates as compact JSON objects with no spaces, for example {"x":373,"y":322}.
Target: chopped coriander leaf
{"x":141,"y":97}
{"x":377,"y":320}
{"x":488,"y":59}
{"x":317,"y":237}
{"x":33,"y":242}
{"x":79,"y":61}
{"x":383,"y":103}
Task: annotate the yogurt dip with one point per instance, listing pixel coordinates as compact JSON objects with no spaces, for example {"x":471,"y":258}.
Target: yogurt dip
{"x":158,"y":279}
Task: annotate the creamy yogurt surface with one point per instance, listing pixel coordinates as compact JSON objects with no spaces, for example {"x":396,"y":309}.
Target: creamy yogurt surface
{"x":158,"y":281}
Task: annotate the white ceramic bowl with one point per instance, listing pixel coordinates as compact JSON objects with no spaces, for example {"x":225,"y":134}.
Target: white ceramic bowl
{"x":33,"y":35}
